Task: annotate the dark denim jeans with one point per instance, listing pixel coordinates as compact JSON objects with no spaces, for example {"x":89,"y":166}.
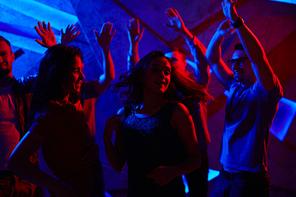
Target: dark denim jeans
{"x":245,"y":184}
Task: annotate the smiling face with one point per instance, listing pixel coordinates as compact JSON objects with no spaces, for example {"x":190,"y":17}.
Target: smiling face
{"x":157,"y":76}
{"x":6,"y":59}
{"x":242,"y":68}
{"x":73,"y":81}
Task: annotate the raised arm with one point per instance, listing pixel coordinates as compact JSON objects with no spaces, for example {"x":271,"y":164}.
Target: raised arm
{"x":213,"y":54}
{"x":19,"y":163}
{"x":104,"y":39}
{"x":134,"y":36}
{"x":182,"y":121}
{"x":114,"y":152}
{"x":252,"y":46}
{"x":69,"y":35}
{"x":47,"y":36}
{"x":198,"y":50}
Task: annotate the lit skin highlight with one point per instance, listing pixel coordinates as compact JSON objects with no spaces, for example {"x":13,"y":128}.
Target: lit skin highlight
{"x":74,"y":80}
{"x":6,"y":59}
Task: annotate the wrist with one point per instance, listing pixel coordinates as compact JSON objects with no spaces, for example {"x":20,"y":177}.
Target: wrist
{"x":134,"y":45}
{"x":219,"y":34}
{"x":132,"y":51}
{"x":237,"y":23}
{"x":106,"y":49}
{"x":187,"y":34}
{"x":233,"y":18}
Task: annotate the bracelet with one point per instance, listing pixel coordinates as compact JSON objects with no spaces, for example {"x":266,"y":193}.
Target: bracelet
{"x":239,"y":21}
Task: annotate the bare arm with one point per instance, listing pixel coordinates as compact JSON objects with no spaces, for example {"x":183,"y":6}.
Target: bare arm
{"x":19,"y":163}
{"x":213,"y":54}
{"x":115,"y":153}
{"x":253,"y":48}
{"x":134,"y":36}
{"x":198,"y":50}
{"x":104,"y":39}
{"x":182,"y":121}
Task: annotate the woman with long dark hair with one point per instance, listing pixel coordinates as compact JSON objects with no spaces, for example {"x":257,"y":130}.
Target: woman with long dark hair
{"x":58,"y":127}
{"x":154,"y":132}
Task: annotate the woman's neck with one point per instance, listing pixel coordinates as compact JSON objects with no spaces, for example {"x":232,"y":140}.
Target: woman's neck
{"x":151,"y":104}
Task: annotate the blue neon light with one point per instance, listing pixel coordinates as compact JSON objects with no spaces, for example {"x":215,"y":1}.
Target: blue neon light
{"x":286,"y":1}
{"x":42,"y":12}
{"x":24,"y":42}
{"x":185,"y":184}
{"x":22,"y":36}
{"x":22,"y":30}
{"x":211,"y":175}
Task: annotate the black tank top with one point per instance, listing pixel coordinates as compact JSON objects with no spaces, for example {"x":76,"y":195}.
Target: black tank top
{"x":149,"y":143}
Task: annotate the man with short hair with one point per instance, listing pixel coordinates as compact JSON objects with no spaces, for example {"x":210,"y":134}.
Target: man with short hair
{"x":14,"y":107}
{"x":253,"y":102}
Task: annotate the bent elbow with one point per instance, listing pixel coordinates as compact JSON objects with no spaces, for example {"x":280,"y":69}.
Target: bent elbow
{"x":15,"y":162}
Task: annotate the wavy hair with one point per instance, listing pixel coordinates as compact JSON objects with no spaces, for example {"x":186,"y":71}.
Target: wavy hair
{"x":55,"y":66}
{"x":180,"y":87}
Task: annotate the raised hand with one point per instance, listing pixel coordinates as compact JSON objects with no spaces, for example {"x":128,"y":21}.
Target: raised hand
{"x":69,"y":35}
{"x":133,"y":31}
{"x":229,"y":9}
{"x":175,"y":20}
{"x":105,"y":36}
{"x":47,"y":36}
{"x":161,"y":175}
{"x":225,"y":29}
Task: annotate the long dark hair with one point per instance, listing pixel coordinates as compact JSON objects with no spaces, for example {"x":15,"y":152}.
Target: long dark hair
{"x":180,"y":87}
{"x":54,"y":68}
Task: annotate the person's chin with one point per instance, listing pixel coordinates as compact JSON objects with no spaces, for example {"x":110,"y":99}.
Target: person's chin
{"x":238,"y":78}
{"x":76,"y":90}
